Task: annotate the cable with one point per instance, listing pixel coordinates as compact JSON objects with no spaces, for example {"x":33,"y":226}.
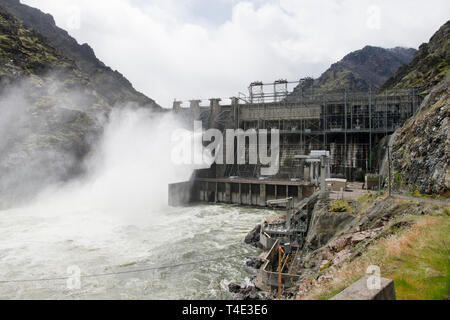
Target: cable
{"x":124,"y":272}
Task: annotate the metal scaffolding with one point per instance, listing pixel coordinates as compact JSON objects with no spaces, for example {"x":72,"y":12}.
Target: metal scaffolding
{"x":347,"y":123}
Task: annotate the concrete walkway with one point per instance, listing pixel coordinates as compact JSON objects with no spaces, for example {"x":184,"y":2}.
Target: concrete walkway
{"x":354,"y":191}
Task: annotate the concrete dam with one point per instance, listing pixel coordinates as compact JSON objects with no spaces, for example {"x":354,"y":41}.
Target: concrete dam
{"x":347,"y":124}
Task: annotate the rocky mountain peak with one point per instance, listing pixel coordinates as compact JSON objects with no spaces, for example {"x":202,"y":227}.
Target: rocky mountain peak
{"x":361,"y":70}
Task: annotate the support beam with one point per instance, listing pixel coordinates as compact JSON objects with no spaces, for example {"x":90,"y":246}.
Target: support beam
{"x":228,"y":192}
{"x":262,"y":195}
{"x":240,"y":193}
{"x":300,"y":193}
{"x":177,"y":106}
{"x":195,"y":108}
{"x":216,"y":196}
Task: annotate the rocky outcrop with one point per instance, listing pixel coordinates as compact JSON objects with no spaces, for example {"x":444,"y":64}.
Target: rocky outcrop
{"x":253,"y":236}
{"x":335,"y":237}
{"x":255,"y":263}
{"x":318,"y":267}
{"x":325,"y":225}
{"x":421,"y":148}
{"x":247,"y":292}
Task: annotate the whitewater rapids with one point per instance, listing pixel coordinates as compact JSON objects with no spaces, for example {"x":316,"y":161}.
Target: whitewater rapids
{"x":42,"y":246}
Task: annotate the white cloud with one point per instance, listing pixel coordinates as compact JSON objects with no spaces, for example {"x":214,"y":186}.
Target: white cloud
{"x":165,"y":53}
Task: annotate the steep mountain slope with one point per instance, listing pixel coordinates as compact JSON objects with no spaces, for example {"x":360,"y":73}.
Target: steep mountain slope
{"x":421,"y":149}
{"x":360,"y":70}
{"x":112,"y":84}
{"x":429,"y":66}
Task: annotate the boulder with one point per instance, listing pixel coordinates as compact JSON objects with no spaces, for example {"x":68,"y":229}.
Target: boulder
{"x":234,"y":287}
{"x":255,"y":263}
{"x":342,"y":256}
{"x":253,"y":236}
{"x":246,"y":292}
{"x":339,"y":244}
{"x":325,"y":264}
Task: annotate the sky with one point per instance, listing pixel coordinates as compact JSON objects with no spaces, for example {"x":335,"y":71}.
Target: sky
{"x":201,"y":49}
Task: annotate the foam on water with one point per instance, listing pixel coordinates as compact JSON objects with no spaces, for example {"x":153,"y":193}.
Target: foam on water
{"x":117,"y":219}
{"x":41,"y":247}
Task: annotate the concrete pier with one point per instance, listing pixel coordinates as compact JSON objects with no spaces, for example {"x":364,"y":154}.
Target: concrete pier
{"x":251,"y":192}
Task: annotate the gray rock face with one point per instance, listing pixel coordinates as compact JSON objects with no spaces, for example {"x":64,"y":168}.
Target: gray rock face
{"x":421,"y":149}
{"x":325,"y":226}
{"x":336,"y":237}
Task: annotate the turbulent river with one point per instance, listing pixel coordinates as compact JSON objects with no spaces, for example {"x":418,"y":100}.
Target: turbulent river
{"x":41,"y":246}
{"x":115,"y":220}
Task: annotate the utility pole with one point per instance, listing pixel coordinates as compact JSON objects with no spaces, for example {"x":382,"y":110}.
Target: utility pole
{"x":389,"y":164}
{"x":280,"y":251}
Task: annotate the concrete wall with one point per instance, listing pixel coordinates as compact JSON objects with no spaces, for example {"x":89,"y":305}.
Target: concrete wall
{"x":180,"y":194}
{"x":251,"y":194}
{"x":361,"y":290}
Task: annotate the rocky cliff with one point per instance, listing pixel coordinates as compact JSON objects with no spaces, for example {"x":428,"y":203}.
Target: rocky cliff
{"x":421,"y":148}
{"x":360,"y":70}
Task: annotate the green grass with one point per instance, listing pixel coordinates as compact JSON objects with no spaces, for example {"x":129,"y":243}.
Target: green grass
{"x":340,"y":206}
{"x":366,"y":200}
{"x":331,"y":294}
{"x":427,"y":196}
{"x":416,"y":258}
{"x":422,"y":269}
